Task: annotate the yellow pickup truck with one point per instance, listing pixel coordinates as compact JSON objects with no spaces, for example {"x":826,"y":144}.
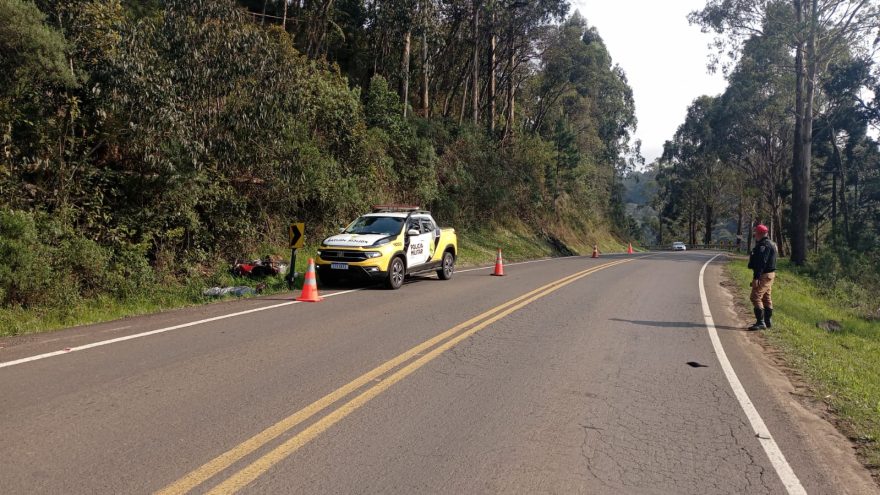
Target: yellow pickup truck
{"x":386,"y":245}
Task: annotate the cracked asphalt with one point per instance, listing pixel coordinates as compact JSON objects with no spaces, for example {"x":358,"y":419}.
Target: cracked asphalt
{"x":607,"y":385}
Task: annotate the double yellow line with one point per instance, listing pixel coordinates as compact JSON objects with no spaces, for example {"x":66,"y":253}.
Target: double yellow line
{"x":428,"y":350}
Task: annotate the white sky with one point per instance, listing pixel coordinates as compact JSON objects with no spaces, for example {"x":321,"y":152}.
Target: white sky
{"x":663,"y":56}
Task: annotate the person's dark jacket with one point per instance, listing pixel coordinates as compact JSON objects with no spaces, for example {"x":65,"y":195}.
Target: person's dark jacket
{"x":763,"y":258}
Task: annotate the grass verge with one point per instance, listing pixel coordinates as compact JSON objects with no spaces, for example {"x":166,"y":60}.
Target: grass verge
{"x":842,"y":368}
{"x":171,"y":294}
{"x":476,"y":247}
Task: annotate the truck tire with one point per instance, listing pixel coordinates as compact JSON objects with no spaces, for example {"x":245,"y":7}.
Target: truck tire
{"x":447,"y":266}
{"x":396,"y":273}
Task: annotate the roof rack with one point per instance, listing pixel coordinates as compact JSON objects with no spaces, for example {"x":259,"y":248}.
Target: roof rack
{"x":395,"y":208}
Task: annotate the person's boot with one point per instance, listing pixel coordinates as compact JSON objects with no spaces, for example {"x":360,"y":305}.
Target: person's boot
{"x":768,"y":313}
{"x":759,"y":316}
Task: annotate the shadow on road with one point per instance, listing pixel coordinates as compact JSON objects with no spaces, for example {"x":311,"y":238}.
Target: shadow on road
{"x":675,"y":324}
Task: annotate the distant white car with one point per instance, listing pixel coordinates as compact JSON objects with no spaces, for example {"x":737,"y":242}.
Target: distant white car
{"x":679,"y":246}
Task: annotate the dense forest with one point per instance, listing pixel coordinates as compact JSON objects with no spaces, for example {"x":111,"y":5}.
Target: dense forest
{"x":144,"y":142}
{"x":793,"y":140}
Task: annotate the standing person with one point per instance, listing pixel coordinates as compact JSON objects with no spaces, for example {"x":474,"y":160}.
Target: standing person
{"x":763,"y":264}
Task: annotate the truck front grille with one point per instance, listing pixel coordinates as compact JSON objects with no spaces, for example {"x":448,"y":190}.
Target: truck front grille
{"x":335,"y":255}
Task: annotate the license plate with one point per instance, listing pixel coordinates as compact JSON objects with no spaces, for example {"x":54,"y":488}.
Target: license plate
{"x":339,"y":266}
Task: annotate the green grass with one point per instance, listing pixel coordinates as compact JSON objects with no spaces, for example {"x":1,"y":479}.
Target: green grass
{"x":518,"y":243}
{"x":843,"y":368}
{"x":160,"y":297}
{"x":476,"y":247}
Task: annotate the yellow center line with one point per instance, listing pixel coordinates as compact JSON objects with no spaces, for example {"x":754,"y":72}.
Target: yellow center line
{"x":247,"y":447}
{"x":243,"y":477}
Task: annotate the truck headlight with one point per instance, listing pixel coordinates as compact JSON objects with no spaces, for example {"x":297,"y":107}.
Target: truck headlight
{"x":372,"y":254}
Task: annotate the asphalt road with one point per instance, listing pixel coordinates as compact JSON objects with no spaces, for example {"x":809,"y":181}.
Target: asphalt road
{"x":571,"y":375}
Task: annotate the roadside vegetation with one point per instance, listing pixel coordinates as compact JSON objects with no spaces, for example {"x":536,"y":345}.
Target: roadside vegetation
{"x":146,"y":145}
{"x":131,"y":292}
{"x":828,"y":329}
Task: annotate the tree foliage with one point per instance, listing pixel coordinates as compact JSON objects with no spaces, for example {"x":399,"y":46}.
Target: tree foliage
{"x":794,"y":76}
{"x":181,"y":132}
{"x":818,"y":32}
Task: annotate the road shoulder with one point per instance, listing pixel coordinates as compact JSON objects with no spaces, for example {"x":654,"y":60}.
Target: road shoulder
{"x":826,"y":461}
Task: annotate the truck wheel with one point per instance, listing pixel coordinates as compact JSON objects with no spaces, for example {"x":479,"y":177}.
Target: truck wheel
{"x":396,"y":273}
{"x":447,"y":269}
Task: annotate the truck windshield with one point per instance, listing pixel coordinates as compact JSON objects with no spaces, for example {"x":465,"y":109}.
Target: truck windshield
{"x":375,"y":225}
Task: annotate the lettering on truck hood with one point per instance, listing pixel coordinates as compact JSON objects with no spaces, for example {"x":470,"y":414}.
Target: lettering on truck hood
{"x":353,"y":240}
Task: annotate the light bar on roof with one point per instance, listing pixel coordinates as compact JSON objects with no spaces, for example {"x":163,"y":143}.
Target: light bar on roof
{"x":391,"y":208}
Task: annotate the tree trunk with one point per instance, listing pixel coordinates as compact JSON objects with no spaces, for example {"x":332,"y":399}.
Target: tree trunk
{"x":844,"y":204}
{"x":660,"y":229}
{"x":317,"y":29}
{"x":844,"y":201}
{"x":556,"y":178}
{"x":739,"y":223}
{"x":476,"y":76}
{"x":426,"y":104}
{"x":511,"y":87}
{"x":404,"y":71}
{"x":284,"y":16}
{"x":708,"y":236}
{"x":778,"y":237}
{"x":805,"y":62}
{"x":491,"y":93}
{"x":453,"y":92}
{"x":464,"y":99}
{"x":263,"y":19}
{"x":834,"y":201}
{"x":749,"y":233}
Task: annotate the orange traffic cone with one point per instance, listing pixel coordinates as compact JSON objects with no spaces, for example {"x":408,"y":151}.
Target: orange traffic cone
{"x":629,"y":250}
{"x":310,"y":285}
{"x":595,"y":251}
{"x":499,"y":265}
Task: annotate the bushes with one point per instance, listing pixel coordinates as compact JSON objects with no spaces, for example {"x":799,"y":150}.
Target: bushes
{"x":413,"y":159}
{"x":25,"y":275}
{"x":45,"y":262}
{"x":850,"y":277}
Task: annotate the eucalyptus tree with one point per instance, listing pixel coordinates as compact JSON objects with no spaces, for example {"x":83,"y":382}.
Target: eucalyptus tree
{"x":578,"y":83}
{"x":850,"y":154}
{"x":523,"y":22}
{"x":817,"y":31}
{"x":757,"y":127}
{"x":679,"y":202}
{"x":695,"y":155}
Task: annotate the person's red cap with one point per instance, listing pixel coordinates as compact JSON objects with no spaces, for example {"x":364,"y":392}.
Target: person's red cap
{"x":760,"y":228}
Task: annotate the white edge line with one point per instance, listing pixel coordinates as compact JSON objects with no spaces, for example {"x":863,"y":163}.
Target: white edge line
{"x":157,"y":331}
{"x":783,"y":469}
{"x":215,"y":318}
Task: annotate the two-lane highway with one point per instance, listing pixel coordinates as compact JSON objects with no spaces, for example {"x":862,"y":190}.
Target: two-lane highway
{"x":571,"y":375}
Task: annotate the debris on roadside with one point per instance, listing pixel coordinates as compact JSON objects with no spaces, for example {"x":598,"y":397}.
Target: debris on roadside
{"x":831,"y":326}
{"x":266,"y":267}
{"x":237,"y":291}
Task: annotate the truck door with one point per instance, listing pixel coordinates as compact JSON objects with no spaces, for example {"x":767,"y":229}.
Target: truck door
{"x":419,"y":245}
{"x":434,"y":239}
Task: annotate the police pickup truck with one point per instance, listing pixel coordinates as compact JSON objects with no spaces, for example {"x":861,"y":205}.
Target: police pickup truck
{"x":386,"y":245}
